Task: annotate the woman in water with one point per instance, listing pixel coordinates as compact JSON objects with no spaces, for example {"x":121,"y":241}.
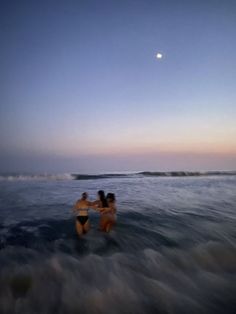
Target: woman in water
{"x":81,"y":210}
{"x":108,"y":214}
{"x":101,"y":205}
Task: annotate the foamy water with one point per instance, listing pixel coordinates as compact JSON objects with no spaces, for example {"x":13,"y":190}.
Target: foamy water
{"x":172,"y":251}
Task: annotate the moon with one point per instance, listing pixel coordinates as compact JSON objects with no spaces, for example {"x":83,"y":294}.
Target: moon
{"x":159,"y":55}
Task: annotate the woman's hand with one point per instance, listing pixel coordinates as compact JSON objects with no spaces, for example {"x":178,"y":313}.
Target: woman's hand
{"x":105,"y":210}
{"x":93,"y":205}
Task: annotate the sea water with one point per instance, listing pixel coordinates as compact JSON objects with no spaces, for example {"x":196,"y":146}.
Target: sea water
{"x":173,"y":249}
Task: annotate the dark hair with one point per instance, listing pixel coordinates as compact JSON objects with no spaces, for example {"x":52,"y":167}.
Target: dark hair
{"x":84,"y":196}
{"x":102,"y":197}
{"x":111,"y":197}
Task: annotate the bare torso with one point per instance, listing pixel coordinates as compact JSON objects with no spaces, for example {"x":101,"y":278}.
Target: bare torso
{"x":81,"y":208}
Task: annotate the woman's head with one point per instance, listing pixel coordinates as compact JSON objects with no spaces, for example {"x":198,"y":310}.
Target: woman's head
{"x":101,"y":194}
{"x":102,"y":198}
{"x":84,"y":196}
{"x":111,"y":197}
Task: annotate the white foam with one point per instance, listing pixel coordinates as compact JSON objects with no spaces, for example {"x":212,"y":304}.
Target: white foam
{"x":30,"y":177}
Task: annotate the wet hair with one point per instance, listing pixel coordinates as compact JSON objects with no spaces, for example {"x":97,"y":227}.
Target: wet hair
{"x":84,"y":196}
{"x":102,"y":198}
{"x":111,"y":197}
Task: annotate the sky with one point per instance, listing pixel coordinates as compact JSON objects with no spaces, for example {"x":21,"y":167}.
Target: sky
{"x":81,"y":88}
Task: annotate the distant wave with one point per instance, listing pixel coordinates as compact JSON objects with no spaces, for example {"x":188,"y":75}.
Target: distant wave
{"x":186,"y":173}
{"x":98,"y":176}
{"x":29,"y":177}
{"x":153,"y":174}
{"x":55,"y":177}
{"x":74,"y":176}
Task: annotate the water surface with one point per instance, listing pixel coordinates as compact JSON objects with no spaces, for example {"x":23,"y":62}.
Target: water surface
{"x":172,"y":250}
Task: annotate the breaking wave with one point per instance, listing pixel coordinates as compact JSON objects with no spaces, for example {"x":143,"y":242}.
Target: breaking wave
{"x":98,"y":176}
{"x":128,"y":271}
{"x":29,"y":177}
{"x":187,"y":173}
{"x":74,"y":176}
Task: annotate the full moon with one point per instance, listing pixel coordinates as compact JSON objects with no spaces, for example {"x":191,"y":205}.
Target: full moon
{"x":159,"y":55}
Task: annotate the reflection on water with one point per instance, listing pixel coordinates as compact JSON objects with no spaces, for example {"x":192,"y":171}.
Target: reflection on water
{"x":172,"y":251}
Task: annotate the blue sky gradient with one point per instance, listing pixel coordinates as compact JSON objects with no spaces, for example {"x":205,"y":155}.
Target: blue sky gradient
{"x":81,"y":88}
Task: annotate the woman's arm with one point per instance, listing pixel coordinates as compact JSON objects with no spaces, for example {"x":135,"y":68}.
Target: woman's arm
{"x":106,"y":210}
{"x":94,"y":205}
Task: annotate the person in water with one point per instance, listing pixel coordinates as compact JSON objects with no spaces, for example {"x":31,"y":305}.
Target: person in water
{"x":108,"y":215}
{"x":101,"y":201}
{"x":107,"y":208}
{"x":81,"y":210}
{"x":100,"y":204}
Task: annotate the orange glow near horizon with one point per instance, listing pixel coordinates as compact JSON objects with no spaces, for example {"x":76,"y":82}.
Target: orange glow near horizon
{"x":129,"y":148}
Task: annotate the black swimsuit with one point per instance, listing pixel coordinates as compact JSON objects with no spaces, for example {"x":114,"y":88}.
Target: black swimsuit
{"x":82,"y":219}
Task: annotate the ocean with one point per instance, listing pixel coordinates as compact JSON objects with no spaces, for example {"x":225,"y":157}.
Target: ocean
{"x":173,"y":249}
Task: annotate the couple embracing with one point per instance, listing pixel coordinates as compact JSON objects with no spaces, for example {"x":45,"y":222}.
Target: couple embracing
{"x":105,"y":205}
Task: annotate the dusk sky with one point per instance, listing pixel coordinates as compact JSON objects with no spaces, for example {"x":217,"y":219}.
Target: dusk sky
{"x":81,"y":88}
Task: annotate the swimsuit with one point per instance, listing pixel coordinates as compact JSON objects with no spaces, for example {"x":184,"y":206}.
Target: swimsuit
{"x":82,"y":219}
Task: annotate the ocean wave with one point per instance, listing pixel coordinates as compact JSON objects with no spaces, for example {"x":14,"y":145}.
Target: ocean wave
{"x":186,"y":173}
{"x":199,"y":280}
{"x":75,"y":176}
{"x":99,"y":176}
{"x":30,"y":177}
{"x":56,"y":177}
